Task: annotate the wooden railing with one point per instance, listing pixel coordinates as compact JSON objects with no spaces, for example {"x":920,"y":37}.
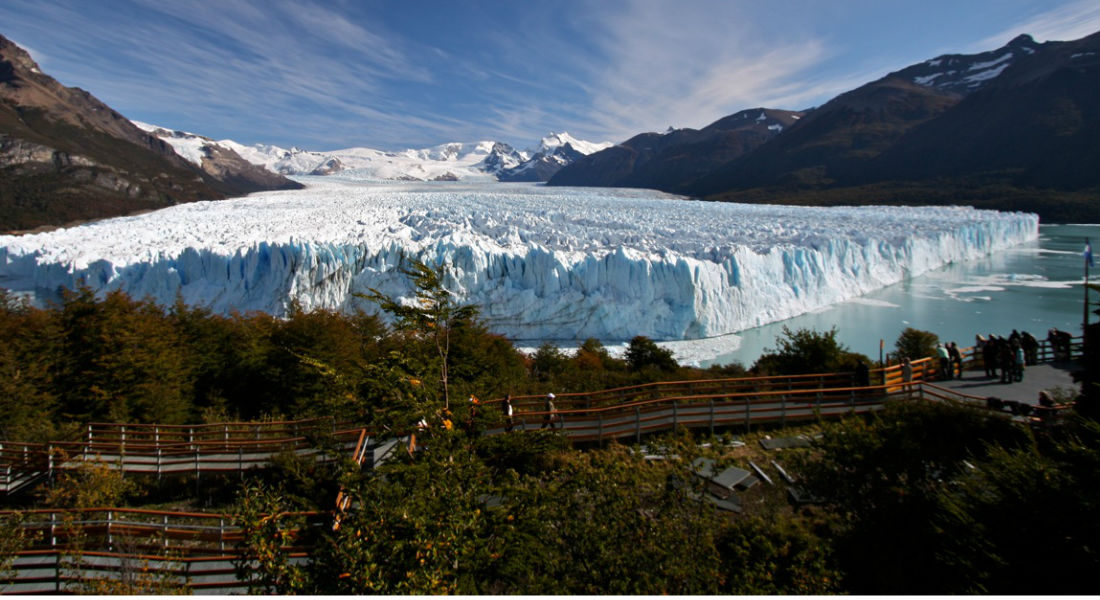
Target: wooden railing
{"x":198,"y":549}
{"x":170,"y":449}
{"x":662,"y":389}
{"x":71,"y":547}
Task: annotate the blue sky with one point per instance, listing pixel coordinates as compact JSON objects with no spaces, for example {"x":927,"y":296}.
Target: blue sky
{"x":415,"y":73}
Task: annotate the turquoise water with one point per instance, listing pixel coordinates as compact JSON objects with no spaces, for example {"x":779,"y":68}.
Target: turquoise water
{"x":1031,"y":287}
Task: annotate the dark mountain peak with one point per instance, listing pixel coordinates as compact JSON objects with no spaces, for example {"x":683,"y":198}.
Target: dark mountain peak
{"x":1022,"y":40}
{"x":67,"y":156}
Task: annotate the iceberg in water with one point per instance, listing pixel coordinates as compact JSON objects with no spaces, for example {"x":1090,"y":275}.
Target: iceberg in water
{"x":542,"y":263}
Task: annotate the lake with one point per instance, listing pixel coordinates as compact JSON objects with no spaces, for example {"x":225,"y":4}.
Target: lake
{"x":1031,"y":287}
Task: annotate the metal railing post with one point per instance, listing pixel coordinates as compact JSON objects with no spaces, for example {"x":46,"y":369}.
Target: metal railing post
{"x":674,"y":414}
{"x":783,"y":411}
{"x":711,"y":402}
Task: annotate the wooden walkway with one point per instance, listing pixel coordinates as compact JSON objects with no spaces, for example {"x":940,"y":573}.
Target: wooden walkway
{"x":199,"y":549}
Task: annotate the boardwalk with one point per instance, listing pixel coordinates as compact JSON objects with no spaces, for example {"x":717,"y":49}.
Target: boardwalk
{"x":197,"y":549}
{"x":1045,"y":376}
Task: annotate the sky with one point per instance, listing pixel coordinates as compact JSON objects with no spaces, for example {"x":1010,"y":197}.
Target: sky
{"x":326,"y":75}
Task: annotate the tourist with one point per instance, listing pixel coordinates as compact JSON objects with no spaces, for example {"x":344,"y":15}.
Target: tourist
{"x":989,"y":356}
{"x":1005,"y":358}
{"x":1031,"y":349}
{"x":906,"y":370}
{"x":945,"y":361}
{"x":508,"y":412}
{"x":1018,"y":361}
{"x":956,"y":359}
{"x":863,"y":374}
{"x":551,"y":412}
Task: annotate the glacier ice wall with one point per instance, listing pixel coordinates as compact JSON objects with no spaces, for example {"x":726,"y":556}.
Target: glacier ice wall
{"x":542,"y":263}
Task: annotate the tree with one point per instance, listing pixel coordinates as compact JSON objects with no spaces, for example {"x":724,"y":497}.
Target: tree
{"x":435,"y":315}
{"x":643,"y":353}
{"x":807,"y":351}
{"x":915,"y":344}
{"x":883,"y":478}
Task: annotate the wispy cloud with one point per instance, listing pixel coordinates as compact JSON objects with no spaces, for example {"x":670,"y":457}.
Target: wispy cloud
{"x":670,"y":64}
{"x":1067,"y":22}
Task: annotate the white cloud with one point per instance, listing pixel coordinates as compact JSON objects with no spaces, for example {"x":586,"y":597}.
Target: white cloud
{"x":688,"y":65}
{"x":1070,"y":21}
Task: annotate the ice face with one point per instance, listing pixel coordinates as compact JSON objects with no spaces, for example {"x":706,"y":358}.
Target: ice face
{"x":542,"y":263}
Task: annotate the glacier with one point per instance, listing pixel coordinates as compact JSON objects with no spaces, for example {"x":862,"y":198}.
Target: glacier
{"x":541,"y":263}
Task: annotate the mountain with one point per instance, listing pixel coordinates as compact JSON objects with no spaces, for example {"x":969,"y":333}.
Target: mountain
{"x":555,"y":151}
{"x":66,"y":156}
{"x":1013,"y":128}
{"x":484,"y":160}
{"x":671,"y":160}
{"x":220,"y":161}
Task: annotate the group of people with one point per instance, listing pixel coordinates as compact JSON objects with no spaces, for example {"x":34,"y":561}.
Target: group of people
{"x":1007,"y":355}
{"x":951,"y":364}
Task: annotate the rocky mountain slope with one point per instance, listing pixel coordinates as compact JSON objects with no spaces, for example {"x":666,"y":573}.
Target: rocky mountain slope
{"x":674,"y":159}
{"x":1017,"y":128}
{"x":65,"y":156}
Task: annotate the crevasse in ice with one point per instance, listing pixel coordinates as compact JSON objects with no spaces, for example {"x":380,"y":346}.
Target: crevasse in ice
{"x":542,"y":263}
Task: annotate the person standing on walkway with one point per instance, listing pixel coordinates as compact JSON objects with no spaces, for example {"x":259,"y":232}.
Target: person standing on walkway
{"x":1031,"y":349}
{"x":989,"y":356}
{"x":508,"y":412}
{"x":945,"y":361}
{"x":1005,"y":358}
{"x":906,"y":370}
{"x":551,"y":412}
{"x":863,"y":374}
{"x":956,"y":359}
{"x":1018,"y":362}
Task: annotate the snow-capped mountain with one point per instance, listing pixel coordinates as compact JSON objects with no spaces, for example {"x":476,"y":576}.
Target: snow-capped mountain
{"x":555,"y":152}
{"x":477,"y":161}
{"x":966,"y":73}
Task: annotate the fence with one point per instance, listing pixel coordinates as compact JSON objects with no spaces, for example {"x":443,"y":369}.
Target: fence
{"x":73,"y":548}
{"x":162,"y":450}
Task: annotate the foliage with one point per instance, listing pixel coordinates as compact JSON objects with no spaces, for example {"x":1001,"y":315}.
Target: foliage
{"x":1025,"y":507}
{"x":91,"y":484}
{"x":434,"y":315}
{"x":884,"y":476}
{"x":13,"y":539}
{"x":643,"y":353}
{"x":268,"y":531}
{"x":807,"y":351}
{"x":778,"y":553}
{"x":915,"y":344}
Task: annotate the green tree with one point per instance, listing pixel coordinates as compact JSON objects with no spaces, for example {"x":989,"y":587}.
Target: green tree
{"x":915,"y":344}
{"x":643,"y":353}
{"x":121,"y":361}
{"x":883,"y":477}
{"x":807,"y":351}
{"x":435,"y":314}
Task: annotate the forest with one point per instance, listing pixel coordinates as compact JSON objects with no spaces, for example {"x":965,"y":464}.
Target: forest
{"x":921,"y":497}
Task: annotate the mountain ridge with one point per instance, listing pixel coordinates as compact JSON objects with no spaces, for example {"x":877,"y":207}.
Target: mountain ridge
{"x":66,"y":157}
{"x":1020,"y":121}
